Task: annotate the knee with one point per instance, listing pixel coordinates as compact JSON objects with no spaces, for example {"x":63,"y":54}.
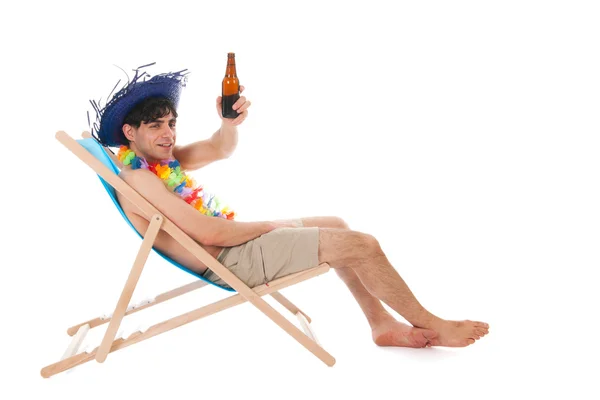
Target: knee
{"x":347,"y":248}
{"x":369,"y":244}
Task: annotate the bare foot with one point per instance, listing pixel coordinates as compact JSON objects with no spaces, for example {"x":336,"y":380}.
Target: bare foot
{"x":458,"y":333}
{"x":394,"y":333}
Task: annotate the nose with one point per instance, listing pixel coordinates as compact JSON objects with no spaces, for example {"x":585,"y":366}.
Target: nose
{"x":168,"y":132}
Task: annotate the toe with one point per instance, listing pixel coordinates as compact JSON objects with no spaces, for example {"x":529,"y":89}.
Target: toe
{"x":460,"y":342}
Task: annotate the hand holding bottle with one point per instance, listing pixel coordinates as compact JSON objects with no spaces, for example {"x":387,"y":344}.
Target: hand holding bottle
{"x":240,"y":107}
{"x":232,"y":108}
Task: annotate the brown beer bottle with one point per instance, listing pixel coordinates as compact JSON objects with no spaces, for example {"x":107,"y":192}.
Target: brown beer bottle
{"x":230,"y":88}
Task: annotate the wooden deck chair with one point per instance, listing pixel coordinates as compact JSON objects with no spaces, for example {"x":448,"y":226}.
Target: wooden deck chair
{"x":106,"y":165}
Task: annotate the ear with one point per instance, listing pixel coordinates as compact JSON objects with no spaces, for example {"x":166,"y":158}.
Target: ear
{"x":128,"y":131}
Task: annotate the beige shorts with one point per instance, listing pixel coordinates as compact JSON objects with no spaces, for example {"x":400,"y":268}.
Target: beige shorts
{"x":276,"y":254}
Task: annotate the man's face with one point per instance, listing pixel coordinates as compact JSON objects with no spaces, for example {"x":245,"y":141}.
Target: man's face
{"x":153,"y":140}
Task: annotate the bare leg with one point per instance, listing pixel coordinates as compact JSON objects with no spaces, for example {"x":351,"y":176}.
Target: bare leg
{"x":385,"y":329}
{"x":361,"y":252}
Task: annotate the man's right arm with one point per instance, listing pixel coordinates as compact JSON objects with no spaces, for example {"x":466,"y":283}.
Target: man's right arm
{"x":210,"y":231}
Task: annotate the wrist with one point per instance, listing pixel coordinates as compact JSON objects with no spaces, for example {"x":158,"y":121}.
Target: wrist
{"x":226,"y":127}
{"x":227,"y":138}
{"x":285,"y":223}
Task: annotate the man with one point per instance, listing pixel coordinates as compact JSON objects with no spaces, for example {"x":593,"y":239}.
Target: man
{"x":141,"y":119}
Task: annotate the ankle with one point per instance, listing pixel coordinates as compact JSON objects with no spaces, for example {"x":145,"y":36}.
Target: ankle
{"x":427,"y":321}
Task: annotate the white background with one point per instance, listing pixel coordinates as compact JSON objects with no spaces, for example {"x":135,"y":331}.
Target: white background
{"x":463,"y":135}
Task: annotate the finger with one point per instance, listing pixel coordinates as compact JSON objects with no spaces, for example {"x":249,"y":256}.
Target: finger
{"x":239,"y":102}
{"x":242,"y":88}
{"x":240,"y":118}
{"x":219,"y":100}
{"x":244,"y":106}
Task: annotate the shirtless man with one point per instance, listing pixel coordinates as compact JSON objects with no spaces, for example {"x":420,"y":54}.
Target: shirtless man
{"x":141,"y":119}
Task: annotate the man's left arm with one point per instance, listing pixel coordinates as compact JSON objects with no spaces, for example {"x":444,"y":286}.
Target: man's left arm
{"x":220,"y":145}
{"x":203,"y":152}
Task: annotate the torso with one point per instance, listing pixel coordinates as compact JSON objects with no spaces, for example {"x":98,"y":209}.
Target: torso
{"x":164,"y":242}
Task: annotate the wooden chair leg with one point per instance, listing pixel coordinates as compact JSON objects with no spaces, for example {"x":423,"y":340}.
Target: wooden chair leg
{"x":132,"y":280}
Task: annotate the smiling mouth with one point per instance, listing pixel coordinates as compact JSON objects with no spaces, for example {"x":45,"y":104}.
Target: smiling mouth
{"x":166,"y":145}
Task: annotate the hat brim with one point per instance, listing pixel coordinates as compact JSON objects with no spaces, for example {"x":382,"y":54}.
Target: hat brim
{"x":112,"y":116}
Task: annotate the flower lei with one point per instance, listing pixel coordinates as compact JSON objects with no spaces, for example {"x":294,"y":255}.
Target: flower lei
{"x":181,"y":184}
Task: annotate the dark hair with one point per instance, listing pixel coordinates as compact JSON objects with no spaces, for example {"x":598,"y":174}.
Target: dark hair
{"x":149,"y":110}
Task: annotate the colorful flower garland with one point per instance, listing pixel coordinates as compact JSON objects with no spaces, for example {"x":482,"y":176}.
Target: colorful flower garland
{"x":176,"y":180}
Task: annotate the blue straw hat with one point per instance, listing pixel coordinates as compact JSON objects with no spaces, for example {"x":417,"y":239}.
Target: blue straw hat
{"x":109,"y":119}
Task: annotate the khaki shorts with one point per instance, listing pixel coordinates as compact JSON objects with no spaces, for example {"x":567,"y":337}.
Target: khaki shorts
{"x":281,"y":252}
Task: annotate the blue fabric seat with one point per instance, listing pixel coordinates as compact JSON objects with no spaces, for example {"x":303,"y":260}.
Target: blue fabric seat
{"x":98,"y":151}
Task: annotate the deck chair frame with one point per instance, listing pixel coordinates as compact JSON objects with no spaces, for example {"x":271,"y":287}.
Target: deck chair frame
{"x":73,"y":356}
